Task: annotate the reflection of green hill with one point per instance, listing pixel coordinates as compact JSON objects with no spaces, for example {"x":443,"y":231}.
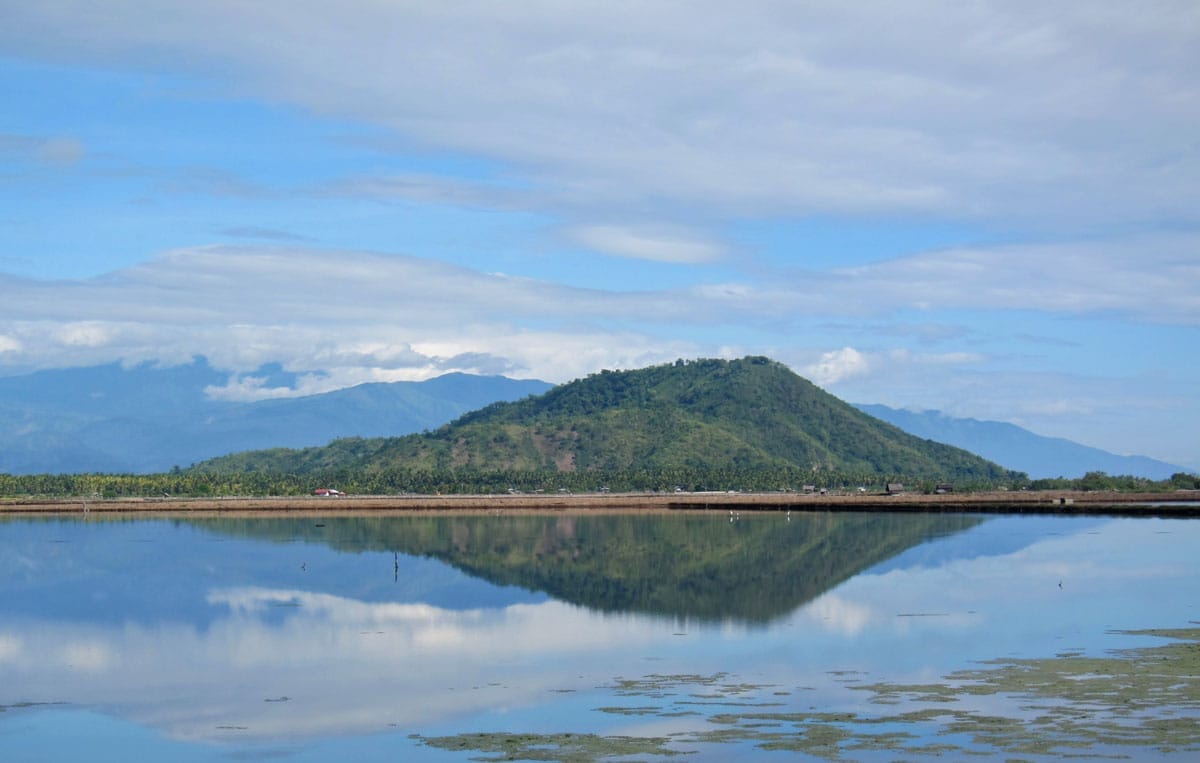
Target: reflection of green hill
{"x":689,"y":566}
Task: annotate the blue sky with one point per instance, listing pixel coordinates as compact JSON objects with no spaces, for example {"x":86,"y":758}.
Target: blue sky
{"x":987,"y":209}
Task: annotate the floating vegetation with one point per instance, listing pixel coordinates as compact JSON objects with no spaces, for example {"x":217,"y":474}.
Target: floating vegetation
{"x":571,"y":748}
{"x":631,"y":710}
{"x":1067,"y":706}
{"x":24,"y":705}
{"x":695,"y":687}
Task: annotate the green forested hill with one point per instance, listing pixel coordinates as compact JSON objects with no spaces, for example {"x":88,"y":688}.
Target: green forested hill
{"x":751,"y":414}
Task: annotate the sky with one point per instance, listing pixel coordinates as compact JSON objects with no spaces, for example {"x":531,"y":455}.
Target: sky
{"x":984,"y":208}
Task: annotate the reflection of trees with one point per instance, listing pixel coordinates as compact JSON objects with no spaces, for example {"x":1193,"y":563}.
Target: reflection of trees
{"x":687,"y":565}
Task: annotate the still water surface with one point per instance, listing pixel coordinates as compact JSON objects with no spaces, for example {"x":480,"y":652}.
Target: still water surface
{"x":373,"y":638}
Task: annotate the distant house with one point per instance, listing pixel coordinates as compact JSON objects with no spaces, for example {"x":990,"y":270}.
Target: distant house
{"x":327,"y":491}
{"x":943,"y":488}
{"x":895,"y":488}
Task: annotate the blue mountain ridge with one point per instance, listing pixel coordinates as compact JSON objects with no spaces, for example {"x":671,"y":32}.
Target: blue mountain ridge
{"x":1016,"y":448}
{"x":146,"y":419}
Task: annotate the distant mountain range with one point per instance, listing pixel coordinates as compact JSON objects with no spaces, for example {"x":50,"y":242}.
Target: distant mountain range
{"x":147,"y":419}
{"x":1017,"y":448}
{"x":144,"y":418}
{"x":747,"y":416}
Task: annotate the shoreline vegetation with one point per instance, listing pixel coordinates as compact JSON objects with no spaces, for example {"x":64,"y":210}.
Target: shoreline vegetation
{"x":1181,"y":503}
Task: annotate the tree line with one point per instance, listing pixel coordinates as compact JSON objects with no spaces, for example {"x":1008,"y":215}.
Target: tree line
{"x":187,"y":483}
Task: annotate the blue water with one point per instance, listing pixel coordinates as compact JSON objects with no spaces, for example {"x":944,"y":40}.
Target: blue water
{"x":170,"y":640}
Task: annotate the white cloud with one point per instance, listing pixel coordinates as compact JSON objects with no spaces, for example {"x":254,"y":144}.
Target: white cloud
{"x":837,"y":365}
{"x":345,"y":317}
{"x":433,"y":188}
{"x":1063,"y":114}
{"x":1144,"y":279}
{"x":239,"y":388}
{"x":660,"y":246}
{"x":935,"y":360}
{"x":84,"y":334}
{"x":336,"y":318}
{"x":1141,"y":276}
{"x":846,"y":364}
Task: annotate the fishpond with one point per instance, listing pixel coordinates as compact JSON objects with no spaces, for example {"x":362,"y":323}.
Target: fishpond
{"x":693,"y":636}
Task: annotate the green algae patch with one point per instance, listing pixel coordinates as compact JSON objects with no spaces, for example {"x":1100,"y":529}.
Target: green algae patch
{"x":571,"y":748}
{"x":1121,"y":704}
{"x":897,"y":694}
{"x":1145,"y":698}
{"x":617,"y":710}
{"x":1125,"y":683}
{"x":715,"y":686}
{"x":26,"y":705}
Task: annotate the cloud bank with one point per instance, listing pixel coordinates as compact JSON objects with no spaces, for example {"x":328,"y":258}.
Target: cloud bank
{"x":979,"y":110}
{"x":366,"y":316}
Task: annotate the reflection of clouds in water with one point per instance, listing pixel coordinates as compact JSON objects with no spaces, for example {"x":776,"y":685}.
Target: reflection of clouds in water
{"x":348,"y":666}
{"x":488,"y":634}
{"x":1093,"y":561}
{"x":345,"y":666}
{"x":990,"y":604}
{"x":10,"y":647}
{"x":91,"y":656}
{"x":836,"y":614}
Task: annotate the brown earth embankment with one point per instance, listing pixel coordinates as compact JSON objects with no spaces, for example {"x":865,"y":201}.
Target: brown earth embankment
{"x":1133,"y":504}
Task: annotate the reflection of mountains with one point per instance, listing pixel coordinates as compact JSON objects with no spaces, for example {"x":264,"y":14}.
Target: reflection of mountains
{"x":689,"y":566}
